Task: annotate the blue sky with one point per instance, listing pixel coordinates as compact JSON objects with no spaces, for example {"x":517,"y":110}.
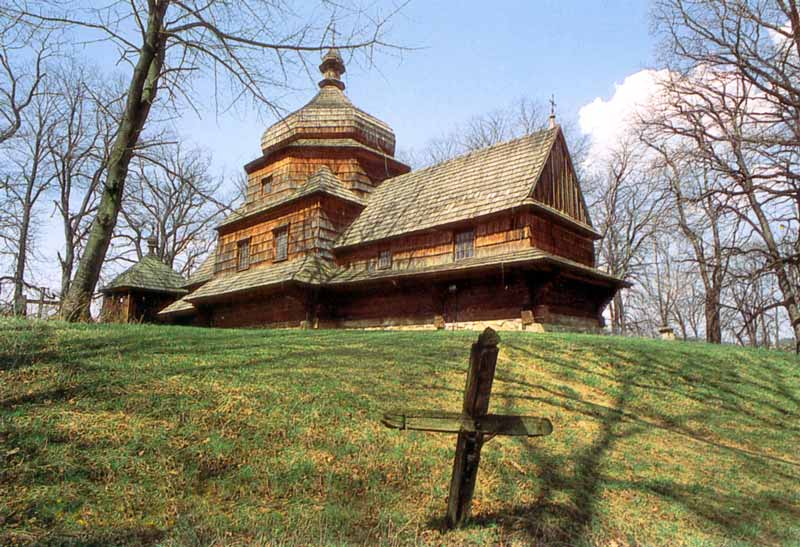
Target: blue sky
{"x":473,"y":57}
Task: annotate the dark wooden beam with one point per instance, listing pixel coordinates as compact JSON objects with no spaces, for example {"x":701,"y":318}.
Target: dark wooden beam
{"x":452,"y":422}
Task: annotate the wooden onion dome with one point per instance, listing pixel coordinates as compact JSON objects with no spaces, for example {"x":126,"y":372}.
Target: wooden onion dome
{"x":330,"y":115}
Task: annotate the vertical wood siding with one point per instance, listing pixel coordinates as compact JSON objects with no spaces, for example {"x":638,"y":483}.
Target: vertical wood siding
{"x":558,"y":185}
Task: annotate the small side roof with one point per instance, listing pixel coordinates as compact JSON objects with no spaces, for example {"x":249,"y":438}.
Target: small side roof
{"x":204,"y":273}
{"x":309,"y":270}
{"x":322,"y":181}
{"x":178,"y":308}
{"x":149,"y":274}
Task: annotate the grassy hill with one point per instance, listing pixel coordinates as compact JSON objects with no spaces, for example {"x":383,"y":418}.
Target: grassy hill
{"x":182,"y":436}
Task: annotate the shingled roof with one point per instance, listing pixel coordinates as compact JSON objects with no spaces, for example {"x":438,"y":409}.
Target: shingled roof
{"x":480,"y":183}
{"x":322,"y":181}
{"x":149,"y":274}
{"x":204,"y":273}
{"x":178,"y":308}
{"x":309,"y":270}
{"x":312,"y":270}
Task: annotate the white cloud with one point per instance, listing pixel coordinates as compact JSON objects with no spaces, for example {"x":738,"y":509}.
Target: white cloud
{"x":608,"y":120}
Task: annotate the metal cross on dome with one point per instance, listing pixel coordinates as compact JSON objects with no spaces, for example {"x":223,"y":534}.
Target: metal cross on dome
{"x":474,"y":425}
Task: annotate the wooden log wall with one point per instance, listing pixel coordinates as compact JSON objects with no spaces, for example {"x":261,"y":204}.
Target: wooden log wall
{"x":146,"y":306}
{"x":135,"y":307}
{"x":487,"y":299}
{"x":568,"y":297}
{"x":303,"y":221}
{"x":555,"y":238}
{"x":314,"y":225}
{"x":497,"y":236}
{"x":279,"y":310}
{"x":291,"y":171}
{"x":115,"y":308}
{"x":388,"y":305}
{"x":481,"y":298}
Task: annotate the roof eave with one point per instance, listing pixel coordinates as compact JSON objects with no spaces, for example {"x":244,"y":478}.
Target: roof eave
{"x":109,"y":290}
{"x":238,"y":292}
{"x":290,"y":200}
{"x":453,"y":270}
{"x":564,"y":218}
{"x":361,"y":148}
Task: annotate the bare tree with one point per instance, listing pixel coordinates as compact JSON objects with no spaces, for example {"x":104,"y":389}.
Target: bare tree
{"x":169,"y":43}
{"x":698,"y":212}
{"x":78,"y":148}
{"x":522,"y":117}
{"x":734,"y":94}
{"x":627,"y":206}
{"x":171,"y":195}
{"x":28,"y":177}
{"x":19,"y":83}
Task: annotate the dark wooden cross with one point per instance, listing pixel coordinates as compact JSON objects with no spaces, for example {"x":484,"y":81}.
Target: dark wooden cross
{"x":474,"y":425}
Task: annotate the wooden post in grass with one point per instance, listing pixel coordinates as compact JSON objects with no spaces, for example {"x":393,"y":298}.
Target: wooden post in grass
{"x":474,"y":425}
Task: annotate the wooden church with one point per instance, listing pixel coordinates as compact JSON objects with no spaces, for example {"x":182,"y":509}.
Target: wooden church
{"x":335,"y":232}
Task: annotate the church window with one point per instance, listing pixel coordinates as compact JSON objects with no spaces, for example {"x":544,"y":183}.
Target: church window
{"x":281,"y":236}
{"x":243,"y":254}
{"x":384,"y":260}
{"x":465,"y":244}
{"x":266,"y":185}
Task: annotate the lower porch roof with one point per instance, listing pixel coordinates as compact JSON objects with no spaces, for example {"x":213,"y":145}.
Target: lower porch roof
{"x":313,"y":271}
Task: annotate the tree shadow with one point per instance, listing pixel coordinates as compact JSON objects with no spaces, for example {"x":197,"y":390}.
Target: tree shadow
{"x":552,"y":520}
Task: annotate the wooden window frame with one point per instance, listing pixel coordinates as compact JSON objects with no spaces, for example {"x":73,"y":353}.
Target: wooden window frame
{"x":384,"y":264}
{"x":243,"y":243}
{"x":276,"y":257}
{"x":266,"y":181}
{"x":459,"y":252}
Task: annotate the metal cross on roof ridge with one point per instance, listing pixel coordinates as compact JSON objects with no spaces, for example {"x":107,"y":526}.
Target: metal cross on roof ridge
{"x":474,"y":425}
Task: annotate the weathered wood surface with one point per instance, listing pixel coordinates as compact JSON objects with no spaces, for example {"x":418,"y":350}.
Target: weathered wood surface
{"x":495,"y":236}
{"x":482,"y":363}
{"x":473,"y":424}
{"x":453,"y":422}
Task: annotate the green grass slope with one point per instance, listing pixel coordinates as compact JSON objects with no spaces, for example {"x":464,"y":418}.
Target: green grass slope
{"x":180,"y":436}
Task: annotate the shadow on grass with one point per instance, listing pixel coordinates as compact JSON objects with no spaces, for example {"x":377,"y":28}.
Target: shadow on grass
{"x":565,"y":511}
{"x":552,"y":520}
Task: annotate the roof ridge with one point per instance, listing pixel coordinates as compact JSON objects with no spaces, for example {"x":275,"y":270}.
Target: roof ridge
{"x":478,"y":151}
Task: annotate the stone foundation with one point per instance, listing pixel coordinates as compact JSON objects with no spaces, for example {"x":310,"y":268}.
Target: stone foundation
{"x":564,"y":324}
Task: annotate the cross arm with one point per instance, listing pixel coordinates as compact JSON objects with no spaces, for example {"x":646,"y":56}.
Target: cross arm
{"x":451,"y":422}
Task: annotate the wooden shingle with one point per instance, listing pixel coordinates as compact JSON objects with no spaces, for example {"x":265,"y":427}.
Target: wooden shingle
{"x":149,"y":274}
{"x":307,"y":270}
{"x":480,"y":183}
{"x":323,"y":181}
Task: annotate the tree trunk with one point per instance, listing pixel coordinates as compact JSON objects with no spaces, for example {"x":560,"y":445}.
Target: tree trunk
{"x":140,"y":97}
{"x":617,"y":315}
{"x":20,"y":302}
{"x":67,"y":263}
{"x":712,"y":312}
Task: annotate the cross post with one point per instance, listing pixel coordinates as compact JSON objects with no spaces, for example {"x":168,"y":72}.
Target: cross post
{"x":474,"y":425}
{"x":482,"y":363}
